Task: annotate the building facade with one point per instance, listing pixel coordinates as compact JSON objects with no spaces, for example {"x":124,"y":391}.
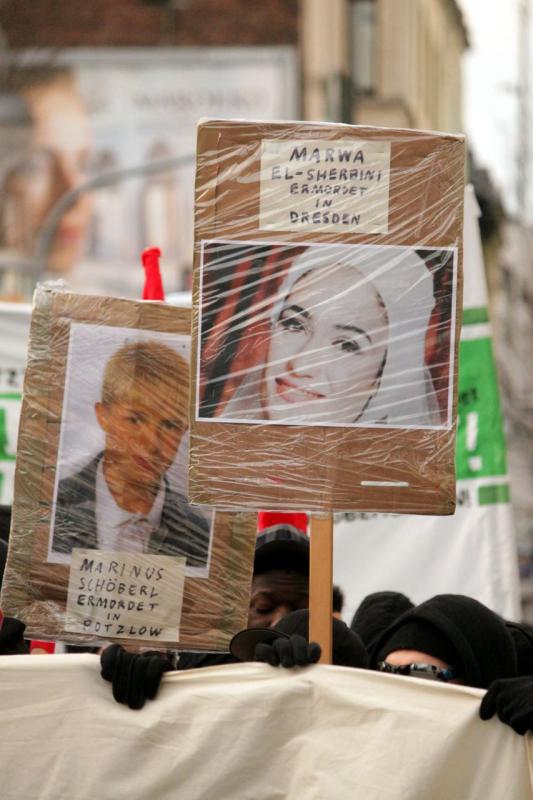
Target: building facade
{"x":384,"y":62}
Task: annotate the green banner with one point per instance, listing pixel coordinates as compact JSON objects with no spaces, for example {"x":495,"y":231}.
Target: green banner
{"x":9,"y":402}
{"x":480,"y":440}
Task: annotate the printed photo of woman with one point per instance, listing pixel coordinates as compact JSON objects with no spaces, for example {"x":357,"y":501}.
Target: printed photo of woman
{"x":334,"y":335}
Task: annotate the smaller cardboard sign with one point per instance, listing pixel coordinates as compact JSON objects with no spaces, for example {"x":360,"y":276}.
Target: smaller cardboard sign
{"x":66,"y":504}
{"x":317,"y":185}
{"x":125,"y":595}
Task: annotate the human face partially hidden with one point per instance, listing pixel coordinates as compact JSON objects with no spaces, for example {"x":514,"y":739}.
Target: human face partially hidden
{"x":275,"y":594}
{"x":327,"y":349}
{"x":401,"y":658}
{"x":143,"y":433}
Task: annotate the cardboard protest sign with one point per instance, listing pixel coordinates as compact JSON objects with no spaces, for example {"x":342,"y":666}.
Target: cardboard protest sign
{"x":327,"y":293}
{"x":104,"y":542}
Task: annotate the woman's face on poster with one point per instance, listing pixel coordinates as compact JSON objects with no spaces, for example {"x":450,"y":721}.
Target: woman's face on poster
{"x":327,"y":349}
{"x":56,"y":164}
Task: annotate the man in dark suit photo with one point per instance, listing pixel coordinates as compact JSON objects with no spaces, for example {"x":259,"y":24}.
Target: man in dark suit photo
{"x":121,"y":499}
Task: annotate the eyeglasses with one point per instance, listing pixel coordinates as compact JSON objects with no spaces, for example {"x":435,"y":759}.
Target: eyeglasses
{"x":428,"y":671}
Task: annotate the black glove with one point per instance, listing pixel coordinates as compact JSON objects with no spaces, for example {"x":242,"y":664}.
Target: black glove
{"x":135,"y":678}
{"x":12,"y":638}
{"x":512,"y":700}
{"x":292,"y":651}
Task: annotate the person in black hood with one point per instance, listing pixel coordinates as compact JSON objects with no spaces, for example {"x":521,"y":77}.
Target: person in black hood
{"x":451,"y":638}
{"x":376,"y":612}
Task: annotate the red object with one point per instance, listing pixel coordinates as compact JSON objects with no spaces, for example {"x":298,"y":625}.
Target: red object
{"x":267,"y":519}
{"x":36,"y":644}
{"x":153,"y":285}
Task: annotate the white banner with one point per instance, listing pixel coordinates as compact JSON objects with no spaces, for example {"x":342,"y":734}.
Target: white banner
{"x":250,"y":731}
{"x":474,"y":551}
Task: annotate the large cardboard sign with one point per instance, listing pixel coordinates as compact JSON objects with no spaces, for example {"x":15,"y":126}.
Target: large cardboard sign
{"x":101,"y":507}
{"x":328,"y":282}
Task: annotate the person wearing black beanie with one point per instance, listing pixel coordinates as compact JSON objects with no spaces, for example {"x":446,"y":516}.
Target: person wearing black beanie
{"x":376,"y":612}
{"x":461,"y":638}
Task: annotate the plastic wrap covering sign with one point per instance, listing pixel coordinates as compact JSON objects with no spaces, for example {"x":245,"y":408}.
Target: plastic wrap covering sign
{"x":425,"y":556}
{"x":249,"y":731}
{"x":327,"y":287}
{"x":104,"y":543}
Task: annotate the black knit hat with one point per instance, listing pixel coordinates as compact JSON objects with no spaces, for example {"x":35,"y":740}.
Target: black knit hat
{"x":281,"y":547}
{"x":461,"y":631}
{"x":424,"y":637}
{"x":348,"y":649}
{"x":376,"y":612}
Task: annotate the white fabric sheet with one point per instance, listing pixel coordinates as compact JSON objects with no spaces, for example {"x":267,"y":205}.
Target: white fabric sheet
{"x":249,"y":731}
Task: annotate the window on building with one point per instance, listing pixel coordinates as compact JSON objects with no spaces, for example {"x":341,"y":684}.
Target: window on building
{"x":363,"y":45}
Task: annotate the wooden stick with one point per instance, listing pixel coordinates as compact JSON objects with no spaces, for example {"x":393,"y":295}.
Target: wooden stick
{"x":321,"y":585}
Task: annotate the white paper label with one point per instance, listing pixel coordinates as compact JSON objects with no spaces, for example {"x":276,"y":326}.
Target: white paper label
{"x":125,"y":595}
{"x":339,"y":187}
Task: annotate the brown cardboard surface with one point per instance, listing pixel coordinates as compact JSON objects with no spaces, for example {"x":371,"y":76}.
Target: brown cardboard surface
{"x":35,"y":591}
{"x":312,"y":467}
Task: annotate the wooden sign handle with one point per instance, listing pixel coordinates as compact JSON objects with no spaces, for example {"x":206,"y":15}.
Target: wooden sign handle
{"x":321,"y":585}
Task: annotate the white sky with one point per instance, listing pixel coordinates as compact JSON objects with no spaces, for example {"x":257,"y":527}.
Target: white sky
{"x":490,"y":102}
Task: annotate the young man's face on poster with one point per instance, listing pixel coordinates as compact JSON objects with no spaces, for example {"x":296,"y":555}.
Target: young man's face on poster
{"x":327,"y":347}
{"x":143,"y":430}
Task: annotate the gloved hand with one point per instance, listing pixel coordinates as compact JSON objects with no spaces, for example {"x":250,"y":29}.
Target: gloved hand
{"x":135,"y":678}
{"x":512,"y":700}
{"x":12,"y":637}
{"x":288,"y":652}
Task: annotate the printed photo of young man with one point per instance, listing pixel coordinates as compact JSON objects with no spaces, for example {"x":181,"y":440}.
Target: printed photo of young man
{"x":121,"y":498}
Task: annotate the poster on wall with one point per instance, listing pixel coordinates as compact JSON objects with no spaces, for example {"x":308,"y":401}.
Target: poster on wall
{"x":97,"y":157}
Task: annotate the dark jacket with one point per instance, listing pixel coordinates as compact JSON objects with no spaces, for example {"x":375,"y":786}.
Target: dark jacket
{"x":182,"y":532}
